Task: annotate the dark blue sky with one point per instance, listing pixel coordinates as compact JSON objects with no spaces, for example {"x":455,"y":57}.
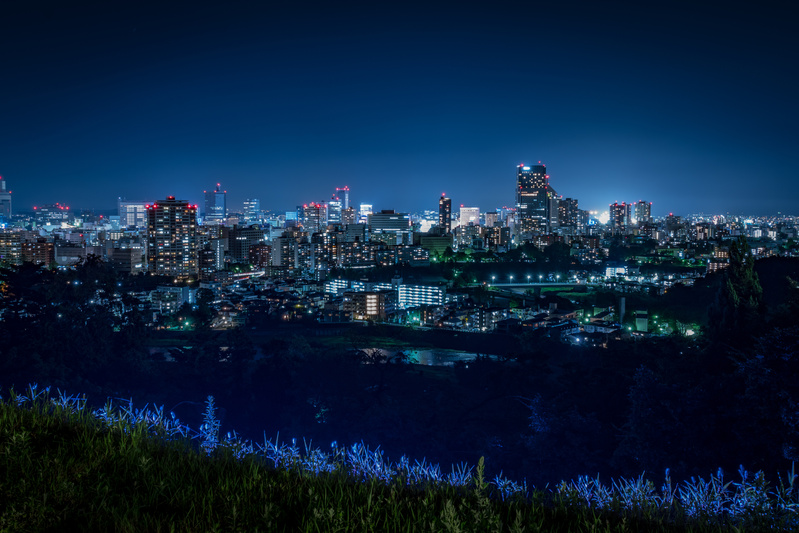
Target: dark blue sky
{"x":690,"y":105}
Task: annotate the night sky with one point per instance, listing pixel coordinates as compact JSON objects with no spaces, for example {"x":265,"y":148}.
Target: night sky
{"x":690,"y":105}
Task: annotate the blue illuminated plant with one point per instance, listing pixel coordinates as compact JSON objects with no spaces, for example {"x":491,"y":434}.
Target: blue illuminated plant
{"x":751,"y":499}
{"x":209,"y":431}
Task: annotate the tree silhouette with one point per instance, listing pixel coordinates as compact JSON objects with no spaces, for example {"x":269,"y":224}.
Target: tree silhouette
{"x":736,"y":317}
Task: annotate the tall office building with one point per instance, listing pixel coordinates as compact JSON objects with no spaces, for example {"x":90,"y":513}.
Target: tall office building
{"x":172,"y":238}
{"x":390,"y":227}
{"x":215,"y":205}
{"x":5,"y":202}
{"x":344,"y":194}
{"x":132,"y":214}
{"x":53,"y":214}
{"x":533,"y":194}
{"x":335,"y":207}
{"x":364,"y":212}
{"x":252,"y":210}
{"x":552,"y":211}
{"x":445,"y":214}
{"x":643,"y":212}
{"x":469,"y":215}
{"x":241,"y":238}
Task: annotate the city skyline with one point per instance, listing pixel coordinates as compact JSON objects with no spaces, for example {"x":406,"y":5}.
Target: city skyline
{"x":687,"y":106}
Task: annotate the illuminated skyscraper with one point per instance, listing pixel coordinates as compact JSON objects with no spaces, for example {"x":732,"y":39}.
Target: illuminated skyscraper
{"x":5,"y":202}
{"x":252,"y":210}
{"x":335,"y":208}
{"x":344,"y":194}
{"x":643,"y":212}
{"x":314,"y":217}
{"x":391,"y":227}
{"x":618,"y":217}
{"x":132,"y":214}
{"x":215,"y":205}
{"x":533,"y":194}
{"x":10,"y":247}
{"x":469,"y":215}
{"x":348,"y":216}
{"x":445,"y":214}
{"x":364,"y":212}
{"x":569,"y":215}
{"x":172,"y":238}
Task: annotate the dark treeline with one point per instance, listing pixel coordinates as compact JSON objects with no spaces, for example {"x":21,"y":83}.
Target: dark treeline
{"x":543,"y":412}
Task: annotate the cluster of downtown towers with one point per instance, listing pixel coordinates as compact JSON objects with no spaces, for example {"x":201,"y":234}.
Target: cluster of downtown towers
{"x":173,"y":247}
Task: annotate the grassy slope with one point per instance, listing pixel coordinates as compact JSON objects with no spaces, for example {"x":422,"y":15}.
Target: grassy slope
{"x":64,"y":472}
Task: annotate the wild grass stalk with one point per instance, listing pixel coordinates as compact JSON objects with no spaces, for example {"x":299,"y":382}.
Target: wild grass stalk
{"x":66,"y":466}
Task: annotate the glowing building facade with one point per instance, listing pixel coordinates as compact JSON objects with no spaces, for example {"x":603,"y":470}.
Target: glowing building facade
{"x":215,"y":205}
{"x":533,"y":194}
{"x":445,"y":214}
{"x":172,"y":238}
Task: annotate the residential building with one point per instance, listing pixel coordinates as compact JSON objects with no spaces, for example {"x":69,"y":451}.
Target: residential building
{"x":172,"y":238}
{"x":445,"y":214}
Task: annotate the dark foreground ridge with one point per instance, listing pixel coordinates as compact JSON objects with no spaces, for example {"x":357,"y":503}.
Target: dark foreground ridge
{"x":119,"y":468}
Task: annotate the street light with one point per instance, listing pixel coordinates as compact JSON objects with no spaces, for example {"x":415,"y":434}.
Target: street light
{"x":528,"y":278}
{"x":511,"y":278}
{"x":540,"y":277}
{"x":492,"y":279}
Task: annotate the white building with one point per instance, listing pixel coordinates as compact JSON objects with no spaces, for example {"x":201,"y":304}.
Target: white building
{"x":469,"y":215}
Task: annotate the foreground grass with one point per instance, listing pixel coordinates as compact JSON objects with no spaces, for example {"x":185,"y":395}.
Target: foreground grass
{"x":64,"y":468}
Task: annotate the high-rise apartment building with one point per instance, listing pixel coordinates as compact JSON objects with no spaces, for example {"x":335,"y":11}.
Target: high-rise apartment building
{"x":172,"y":238}
{"x":348,"y":216}
{"x":618,"y":217}
{"x":5,"y":202}
{"x":643,"y":212}
{"x":445,"y":214}
{"x":568,"y":213}
{"x":241,"y":238}
{"x":39,"y":252}
{"x":10,"y":247}
{"x":215,"y":205}
{"x":260,"y":255}
{"x":533,"y":194}
{"x":313,"y":217}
